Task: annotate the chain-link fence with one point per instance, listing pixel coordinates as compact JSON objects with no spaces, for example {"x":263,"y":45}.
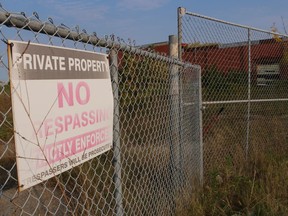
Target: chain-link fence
{"x":244,"y":86}
{"x":155,"y":158}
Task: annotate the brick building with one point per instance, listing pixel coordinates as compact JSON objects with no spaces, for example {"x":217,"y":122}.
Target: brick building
{"x":269,"y":58}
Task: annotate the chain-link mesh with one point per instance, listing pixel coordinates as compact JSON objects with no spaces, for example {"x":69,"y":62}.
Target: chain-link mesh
{"x":156,"y":151}
{"x":244,"y":85}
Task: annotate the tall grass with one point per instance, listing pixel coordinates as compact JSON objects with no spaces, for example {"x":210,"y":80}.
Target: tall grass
{"x":259,"y":187}
{"x":236,"y":185}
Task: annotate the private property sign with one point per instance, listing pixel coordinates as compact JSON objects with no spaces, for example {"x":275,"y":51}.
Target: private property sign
{"x":62,"y":107}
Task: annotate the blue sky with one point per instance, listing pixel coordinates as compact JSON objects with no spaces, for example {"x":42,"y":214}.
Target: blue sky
{"x":148,"y":21}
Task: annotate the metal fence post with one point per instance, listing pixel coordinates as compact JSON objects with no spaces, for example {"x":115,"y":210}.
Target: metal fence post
{"x":181,"y":12}
{"x":249,"y":94}
{"x":116,"y":135}
{"x":199,"y":126}
{"x":192,"y":102}
{"x":197,"y":85}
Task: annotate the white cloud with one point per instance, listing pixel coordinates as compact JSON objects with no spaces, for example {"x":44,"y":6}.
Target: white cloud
{"x":141,"y":4}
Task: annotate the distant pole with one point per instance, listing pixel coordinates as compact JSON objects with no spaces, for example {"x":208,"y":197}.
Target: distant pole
{"x":175,"y":100}
{"x":174,"y":119}
{"x":180,"y":14}
{"x":173,"y":46}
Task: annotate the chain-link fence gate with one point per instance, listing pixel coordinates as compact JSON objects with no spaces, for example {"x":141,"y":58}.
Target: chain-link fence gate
{"x":156,"y":141}
{"x":244,"y":86}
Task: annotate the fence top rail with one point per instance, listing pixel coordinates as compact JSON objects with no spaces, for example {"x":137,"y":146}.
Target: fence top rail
{"x":19,"y":20}
{"x":234,"y":24}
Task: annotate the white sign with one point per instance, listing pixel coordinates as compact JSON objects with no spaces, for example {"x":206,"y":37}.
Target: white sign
{"x":62,"y":106}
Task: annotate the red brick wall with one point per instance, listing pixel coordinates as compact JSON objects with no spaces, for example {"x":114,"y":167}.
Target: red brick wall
{"x":228,"y":59}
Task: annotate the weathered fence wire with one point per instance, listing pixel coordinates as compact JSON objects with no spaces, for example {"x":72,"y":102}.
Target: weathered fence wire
{"x":244,"y":85}
{"x":150,"y":169}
